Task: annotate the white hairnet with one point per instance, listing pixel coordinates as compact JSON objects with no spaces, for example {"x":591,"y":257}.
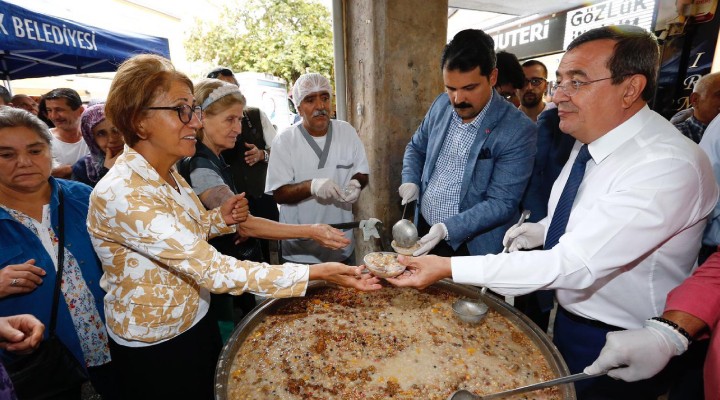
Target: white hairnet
{"x":309,"y":84}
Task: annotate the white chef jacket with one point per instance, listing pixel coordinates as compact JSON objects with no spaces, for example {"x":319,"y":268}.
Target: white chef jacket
{"x":633,"y":234}
{"x":293,"y":160}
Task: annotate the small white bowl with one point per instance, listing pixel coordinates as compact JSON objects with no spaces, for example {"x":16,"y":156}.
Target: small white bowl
{"x":406,"y":251}
{"x":383,"y":264}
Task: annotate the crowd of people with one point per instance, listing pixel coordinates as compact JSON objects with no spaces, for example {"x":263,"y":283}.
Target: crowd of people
{"x":151,"y":209}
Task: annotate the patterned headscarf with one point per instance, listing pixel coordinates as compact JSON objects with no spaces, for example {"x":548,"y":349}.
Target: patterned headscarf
{"x":90,"y":118}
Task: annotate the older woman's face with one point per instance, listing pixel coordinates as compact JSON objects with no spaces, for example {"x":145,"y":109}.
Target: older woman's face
{"x":165,"y":133}
{"x":25,"y":160}
{"x":223,"y":128}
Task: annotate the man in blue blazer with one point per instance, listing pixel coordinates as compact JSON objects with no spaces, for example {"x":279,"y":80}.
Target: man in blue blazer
{"x":469,"y":161}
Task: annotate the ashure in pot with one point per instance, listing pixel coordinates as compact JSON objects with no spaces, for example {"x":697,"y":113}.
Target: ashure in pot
{"x":396,"y":343}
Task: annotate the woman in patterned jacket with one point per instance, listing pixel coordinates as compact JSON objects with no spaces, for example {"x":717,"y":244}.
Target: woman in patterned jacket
{"x":150,"y":232}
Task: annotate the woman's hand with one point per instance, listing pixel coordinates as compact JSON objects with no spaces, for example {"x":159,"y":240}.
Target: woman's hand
{"x":235,"y":209}
{"x":328,"y":236}
{"x":20,"y":278}
{"x":344,"y":275}
{"x":20,"y":333}
{"x":423,"y":271}
{"x":110,"y":158}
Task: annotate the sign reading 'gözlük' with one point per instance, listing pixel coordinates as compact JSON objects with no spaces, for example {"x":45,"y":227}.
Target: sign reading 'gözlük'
{"x":612,"y":12}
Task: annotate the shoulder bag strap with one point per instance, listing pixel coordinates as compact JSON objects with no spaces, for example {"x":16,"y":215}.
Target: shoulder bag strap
{"x":60,"y":261}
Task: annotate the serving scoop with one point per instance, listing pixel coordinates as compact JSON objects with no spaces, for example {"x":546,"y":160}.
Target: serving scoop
{"x":404,"y":232}
{"x":467,"y":395}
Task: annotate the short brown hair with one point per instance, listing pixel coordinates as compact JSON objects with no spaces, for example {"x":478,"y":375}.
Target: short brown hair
{"x":138,"y":81}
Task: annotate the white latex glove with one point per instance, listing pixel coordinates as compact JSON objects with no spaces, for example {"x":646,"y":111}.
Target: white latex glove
{"x":325,"y":189}
{"x":408,"y":192}
{"x":526,"y":236}
{"x":369,"y":229}
{"x":642,"y":352}
{"x":351,"y":193}
{"x":437,"y":233}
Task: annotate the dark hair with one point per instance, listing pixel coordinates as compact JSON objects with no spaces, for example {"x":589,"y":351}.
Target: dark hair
{"x":509,"y":70}
{"x":470,"y":49}
{"x":532,"y":63}
{"x":5,"y":95}
{"x":71,"y":97}
{"x":138,"y":81}
{"x":636,"y":52}
{"x":224,"y":71}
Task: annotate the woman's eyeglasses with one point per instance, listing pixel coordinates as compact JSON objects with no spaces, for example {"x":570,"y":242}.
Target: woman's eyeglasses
{"x":184,"y":112}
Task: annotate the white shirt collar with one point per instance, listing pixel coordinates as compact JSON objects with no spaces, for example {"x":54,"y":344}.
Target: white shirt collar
{"x":606,"y":144}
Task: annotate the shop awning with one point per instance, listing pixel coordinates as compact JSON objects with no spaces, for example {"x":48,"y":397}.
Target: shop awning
{"x":35,"y":45}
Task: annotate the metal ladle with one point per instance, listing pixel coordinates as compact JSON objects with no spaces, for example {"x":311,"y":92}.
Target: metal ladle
{"x":471,"y":311}
{"x":523,"y":217}
{"x":474,"y":311}
{"x":404,"y":232}
{"x":467,"y":395}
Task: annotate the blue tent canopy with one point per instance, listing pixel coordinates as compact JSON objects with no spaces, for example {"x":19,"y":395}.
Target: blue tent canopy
{"x":34,"y":45}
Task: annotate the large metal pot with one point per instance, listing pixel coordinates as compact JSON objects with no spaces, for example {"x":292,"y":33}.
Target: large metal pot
{"x":539,"y":338}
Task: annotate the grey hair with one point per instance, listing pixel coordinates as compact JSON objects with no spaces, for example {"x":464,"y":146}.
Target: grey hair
{"x":11,"y":117}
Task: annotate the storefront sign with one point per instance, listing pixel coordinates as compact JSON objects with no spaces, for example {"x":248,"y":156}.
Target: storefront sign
{"x":612,"y":12}
{"x":543,"y":36}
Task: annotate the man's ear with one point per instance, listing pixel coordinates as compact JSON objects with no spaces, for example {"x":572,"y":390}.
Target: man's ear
{"x":634,"y":87}
{"x":694,"y":99}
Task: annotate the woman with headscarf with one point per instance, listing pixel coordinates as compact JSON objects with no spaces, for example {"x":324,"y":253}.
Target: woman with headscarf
{"x":150,"y":231}
{"x":105,"y":144}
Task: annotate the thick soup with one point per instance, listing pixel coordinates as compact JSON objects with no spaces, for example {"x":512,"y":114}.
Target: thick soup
{"x":395,"y":343}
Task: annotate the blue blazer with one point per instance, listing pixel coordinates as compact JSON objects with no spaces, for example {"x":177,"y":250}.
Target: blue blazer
{"x":498,"y":168}
{"x":18,"y":244}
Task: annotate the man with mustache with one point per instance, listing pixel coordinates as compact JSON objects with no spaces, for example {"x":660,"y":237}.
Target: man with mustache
{"x":532,"y":92}
{"x":64,"y":108}
{"x":626,"y":213}
{"x":316,"y":171}
{"x":469,"y":161}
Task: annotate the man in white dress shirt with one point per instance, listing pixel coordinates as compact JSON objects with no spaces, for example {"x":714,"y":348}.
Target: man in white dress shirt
{"x":636,"y":222}
{"x":710,"y":143}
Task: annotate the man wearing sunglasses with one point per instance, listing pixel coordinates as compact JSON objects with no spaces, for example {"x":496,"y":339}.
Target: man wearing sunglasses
{"x":533,"y":89}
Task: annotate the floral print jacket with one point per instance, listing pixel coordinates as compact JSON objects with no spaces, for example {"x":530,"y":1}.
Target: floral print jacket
{"x":158,"y":266}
